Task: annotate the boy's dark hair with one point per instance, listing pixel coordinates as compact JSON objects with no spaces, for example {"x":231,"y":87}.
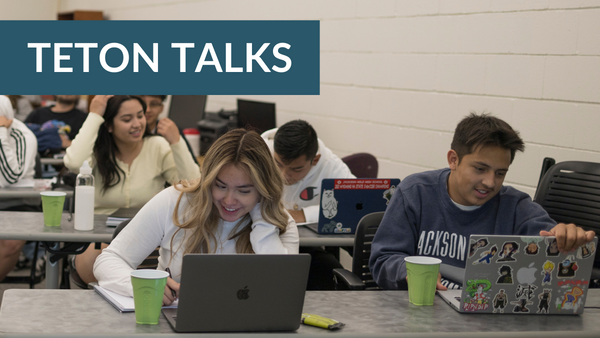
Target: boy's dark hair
{"x":161,"y":97}
{"x":476,"y":131}
{"x":294,"y":139}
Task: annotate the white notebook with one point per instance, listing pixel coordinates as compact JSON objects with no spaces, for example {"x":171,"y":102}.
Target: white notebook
{"x":123,"y":303}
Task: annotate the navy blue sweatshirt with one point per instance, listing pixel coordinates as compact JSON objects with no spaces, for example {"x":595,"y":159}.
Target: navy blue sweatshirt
{"x":422,"y":220}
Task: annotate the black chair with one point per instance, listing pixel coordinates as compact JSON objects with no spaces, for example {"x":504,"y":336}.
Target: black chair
{"x":570,"y":193}
{"x":362,"y":165}
{"x":360,"y":278}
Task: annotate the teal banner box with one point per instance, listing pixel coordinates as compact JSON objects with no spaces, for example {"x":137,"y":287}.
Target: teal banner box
{"x":160,"y":57}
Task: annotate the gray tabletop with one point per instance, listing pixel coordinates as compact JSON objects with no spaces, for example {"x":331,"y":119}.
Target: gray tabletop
{"x":365,"y":313}
{"x":30,"y":226}
{"x":12,"y":192}
{"x":55,"y":161}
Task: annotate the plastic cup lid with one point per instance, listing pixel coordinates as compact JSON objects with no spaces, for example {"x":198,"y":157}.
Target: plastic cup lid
{"x":53,"y":193}
{"x":149,"y":274}
{"x":424,"y":260}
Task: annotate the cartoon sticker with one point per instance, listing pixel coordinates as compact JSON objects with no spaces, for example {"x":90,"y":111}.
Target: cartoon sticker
{"x":329,"y":204}
{"x":544,"y":298}
{"x":500,"y":301}
{"x":505,"y":272}
{"x":586,"y":250}
{"x":548,"y":267}
{"x":526,"y":275}
{"x":525,"y":291}
{"x":389,"y":193}
{"x":477,"y":299}
{"x":487,"y":256}
{"x":571,"y":300}
{"x":567,"y":268}
{"x":481,"y":243}
{"x":552,"y":247}
{"x":531,"y":245}
{"x":521,"y":305}
{"x":507,"y":252}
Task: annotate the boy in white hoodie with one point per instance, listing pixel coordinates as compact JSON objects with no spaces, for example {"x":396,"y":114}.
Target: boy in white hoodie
{"x":305,"y":161}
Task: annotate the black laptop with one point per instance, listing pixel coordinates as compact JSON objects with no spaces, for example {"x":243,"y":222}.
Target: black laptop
{"x":240,"y":292}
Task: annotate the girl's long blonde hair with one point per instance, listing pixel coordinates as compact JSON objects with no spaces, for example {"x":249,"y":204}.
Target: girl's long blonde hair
{"x":248,"y":152}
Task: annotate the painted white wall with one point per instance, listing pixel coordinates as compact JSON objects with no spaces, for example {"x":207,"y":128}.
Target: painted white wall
{"x":28,"y":9}
{"x":397,"y":75}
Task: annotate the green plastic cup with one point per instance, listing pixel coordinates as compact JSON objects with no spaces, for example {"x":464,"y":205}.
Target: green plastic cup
{"x":53,"y":203}
{"x":422,"y":274}
{"x":148,"y":290}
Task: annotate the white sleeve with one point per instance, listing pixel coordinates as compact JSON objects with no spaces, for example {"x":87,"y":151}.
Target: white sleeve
{"x":265,"y":238}
{"x":134,"y":243}
{"x":82,"y":146}
{"x":13,"y":159}
{"x":178,"y":164}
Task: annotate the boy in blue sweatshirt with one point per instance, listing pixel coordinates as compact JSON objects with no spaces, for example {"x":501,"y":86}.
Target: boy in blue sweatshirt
{"x":433,"y":213}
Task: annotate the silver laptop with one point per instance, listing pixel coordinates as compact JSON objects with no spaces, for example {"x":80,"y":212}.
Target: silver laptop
{"x":240,"y":292}
{"x":523,"y":275}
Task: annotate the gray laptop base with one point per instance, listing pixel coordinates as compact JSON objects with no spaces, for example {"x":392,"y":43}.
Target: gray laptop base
{"x":240,"y":292}
{"x":523,"y":275}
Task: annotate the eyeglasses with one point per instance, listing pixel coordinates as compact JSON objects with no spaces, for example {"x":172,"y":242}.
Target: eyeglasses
{"x":155,"y":104}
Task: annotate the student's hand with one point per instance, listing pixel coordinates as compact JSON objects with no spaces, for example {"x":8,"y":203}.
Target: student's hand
{"x":569,"y":237}
{"x":4,"y":122}
{"x":298,"y":215}
{"x":66,"y":142}
{"x":167,"y":129}
{"x":171,"y":286}
{"x":439,"y":285}
{"x":98,"y":104}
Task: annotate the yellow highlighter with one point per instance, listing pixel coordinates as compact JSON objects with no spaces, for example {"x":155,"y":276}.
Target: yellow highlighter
{"x":318,"y":321}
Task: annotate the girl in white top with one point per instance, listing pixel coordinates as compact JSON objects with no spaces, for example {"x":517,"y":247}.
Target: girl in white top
{"x":130,"y":166}
{"x":235,"y":207}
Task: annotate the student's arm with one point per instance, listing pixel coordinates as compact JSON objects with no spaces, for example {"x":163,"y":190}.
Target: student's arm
{"x":12,"y":161}
{"x":178,"y":164}
{"x":82,"y":147}
{"x":396,"y":238}
{"x":532,"y":219}
{"x":265,"y":238}
{"x":134,"y":243}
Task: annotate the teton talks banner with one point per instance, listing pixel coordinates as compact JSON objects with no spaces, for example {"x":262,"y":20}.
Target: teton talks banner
{"x":160,"y":57}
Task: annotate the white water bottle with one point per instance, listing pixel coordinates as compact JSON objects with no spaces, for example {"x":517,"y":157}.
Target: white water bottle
{"x":84,"y":199}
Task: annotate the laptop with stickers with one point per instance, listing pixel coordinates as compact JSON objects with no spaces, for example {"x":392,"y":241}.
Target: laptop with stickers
{"x":523,"y":275}
{"x":240,"y":292}
{"x":345,"y":201}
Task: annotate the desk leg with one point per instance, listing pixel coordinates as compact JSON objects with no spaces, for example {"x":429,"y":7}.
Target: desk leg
{"x":52,"y":270}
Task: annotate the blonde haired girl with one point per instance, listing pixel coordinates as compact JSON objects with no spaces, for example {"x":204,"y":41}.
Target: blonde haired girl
{"x":235,"y":207}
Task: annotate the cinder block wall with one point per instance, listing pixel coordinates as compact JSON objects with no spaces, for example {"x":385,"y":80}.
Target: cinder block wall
{"x":396,"y":76}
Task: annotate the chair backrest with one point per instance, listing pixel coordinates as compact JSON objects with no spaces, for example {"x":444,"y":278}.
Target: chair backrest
{"x":365,"y":231}
{"x":362,"y":165}
{"x":151,"y":262}
{"x":570,"y":193}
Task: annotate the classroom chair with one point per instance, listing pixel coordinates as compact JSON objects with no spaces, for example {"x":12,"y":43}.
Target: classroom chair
{"x":570,"y":193}
{"x":360,"y":278}
{"x":362,"y":165}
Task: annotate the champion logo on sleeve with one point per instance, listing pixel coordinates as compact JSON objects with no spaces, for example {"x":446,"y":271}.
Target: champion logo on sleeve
{"x":308,"y":194}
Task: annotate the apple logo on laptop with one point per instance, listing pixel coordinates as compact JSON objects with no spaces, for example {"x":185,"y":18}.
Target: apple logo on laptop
{"x":359,"y":206}
{"x":242,"y":294}
{"x":526,"y":275}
